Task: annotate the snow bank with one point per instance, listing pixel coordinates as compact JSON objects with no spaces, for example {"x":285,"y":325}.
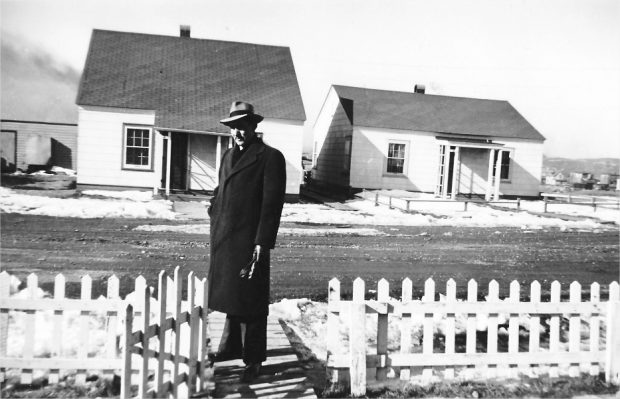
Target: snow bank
{"x":125,"y":205}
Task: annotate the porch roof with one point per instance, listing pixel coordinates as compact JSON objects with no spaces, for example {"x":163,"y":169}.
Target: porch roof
{"x":434,"y":113}
{"x":189,"y":83}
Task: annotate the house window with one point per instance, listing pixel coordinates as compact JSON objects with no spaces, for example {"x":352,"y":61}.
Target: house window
{"x":347,"y":154}
{"x":505,"y":163}
{"x":396,"y":158}
{"x":138,"y":148}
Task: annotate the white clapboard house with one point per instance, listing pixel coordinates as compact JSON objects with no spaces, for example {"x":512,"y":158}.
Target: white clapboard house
{"x":380,"y":139}
{"x":150,"y":105}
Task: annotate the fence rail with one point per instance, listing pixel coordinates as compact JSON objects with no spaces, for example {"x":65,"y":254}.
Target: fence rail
{"x":476,"y":351}
{"x":392,"y":201}
{"x":587,"y":200}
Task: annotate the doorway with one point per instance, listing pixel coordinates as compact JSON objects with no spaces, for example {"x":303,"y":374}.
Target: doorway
{"x":179,"y":164}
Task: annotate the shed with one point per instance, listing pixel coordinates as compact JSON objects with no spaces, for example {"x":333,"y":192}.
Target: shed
{"x":381,"y":139}
{"x":149,"y":108}
{"x":30,"y":145}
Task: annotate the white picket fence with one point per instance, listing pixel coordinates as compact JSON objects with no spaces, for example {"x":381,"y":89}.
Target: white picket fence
{"x":34,"y":307}
{"x":172,"y":345}
{"x":173,"y":330}
{"x":353,"y":364}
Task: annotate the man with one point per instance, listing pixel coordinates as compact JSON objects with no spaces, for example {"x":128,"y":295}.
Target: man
{"x":245,"y":215}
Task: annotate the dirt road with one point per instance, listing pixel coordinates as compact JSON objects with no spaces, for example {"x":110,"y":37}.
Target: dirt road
{"x":302,"y":266}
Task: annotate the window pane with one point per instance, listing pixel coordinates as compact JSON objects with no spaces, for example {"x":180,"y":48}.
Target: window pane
{"x":505,"y":165}
{"x":395,"y":165}
{"x":132,"y":158}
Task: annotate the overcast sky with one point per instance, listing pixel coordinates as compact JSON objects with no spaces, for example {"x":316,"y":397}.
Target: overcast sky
{"x":556,"y":61}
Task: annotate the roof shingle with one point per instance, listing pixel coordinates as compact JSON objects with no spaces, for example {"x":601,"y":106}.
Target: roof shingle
{"x":190,"y":83}
{"x":433,"y":113}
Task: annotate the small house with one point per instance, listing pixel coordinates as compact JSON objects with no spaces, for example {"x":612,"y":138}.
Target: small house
{"x":34,"y":145}
{"x":149,"y":108}
{"x":450,"y":146}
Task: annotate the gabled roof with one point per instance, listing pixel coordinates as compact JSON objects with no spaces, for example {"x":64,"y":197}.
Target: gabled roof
{"x":189,"y":83}
{"x":433,"y":113}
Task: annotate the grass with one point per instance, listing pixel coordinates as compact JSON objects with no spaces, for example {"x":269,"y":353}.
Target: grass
{"x":542,"y":387}
{"x":95,"y":387}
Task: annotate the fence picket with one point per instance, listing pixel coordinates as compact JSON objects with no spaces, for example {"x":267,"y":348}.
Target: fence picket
{"x":612,"y":355}
{"x":472,"y":296}
{"x":534,"y":339}
{"x":203,"y":298}
{"x":574,"y":328}
{"x":333,"y":326}
{"x":162,"y":292}
{"x":85,"y":295}
{"x":112,"y":323}
{"x":144,"y":366}
{"x":193,"y":335}
{"x":595,"y":326}
{"x":513,"y":325}
{"x":554,"y":328}
{"x":59,"y":293}
{"x":427,"y":326}
{"x":5,"y":292}
{"x":383,"y":296}
{"x":127,"y":353}
{"x":357,"y":339}
{"x":30,"y":328}
{"x":450,"y":326}
{"x":406,"y":344}
{"x":178,"y":287}
{"x":492,"y":327}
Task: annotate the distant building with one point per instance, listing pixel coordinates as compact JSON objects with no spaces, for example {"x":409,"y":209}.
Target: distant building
{"x":381,"y":139}
{"x":555,"y":179}
{"x":150,"y":105}
{"x":32,"y":145}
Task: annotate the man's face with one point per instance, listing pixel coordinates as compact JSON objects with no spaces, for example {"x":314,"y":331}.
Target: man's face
{"x":242,"y":131}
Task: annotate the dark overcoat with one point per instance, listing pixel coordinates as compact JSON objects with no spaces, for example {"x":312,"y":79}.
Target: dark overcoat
{"x":245,"y":210}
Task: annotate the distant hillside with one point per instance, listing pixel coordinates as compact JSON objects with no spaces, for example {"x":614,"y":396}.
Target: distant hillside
{"x":597,"y":166}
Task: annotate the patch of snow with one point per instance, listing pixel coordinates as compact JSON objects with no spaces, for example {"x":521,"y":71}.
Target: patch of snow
{"x":12,"y":202}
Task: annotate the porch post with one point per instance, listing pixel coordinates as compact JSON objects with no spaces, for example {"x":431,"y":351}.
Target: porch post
{"x":498,"y":174}
{"x":456,"y":169}
{"x":218,"y":157}
{"x":168,"y":155}
{"x":489,"y":190}
{"x":156,"y":164}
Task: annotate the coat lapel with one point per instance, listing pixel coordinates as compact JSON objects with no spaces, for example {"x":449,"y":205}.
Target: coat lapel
{"x":250,"y":157}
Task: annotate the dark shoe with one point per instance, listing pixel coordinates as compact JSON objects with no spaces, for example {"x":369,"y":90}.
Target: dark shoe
{"x":250,"y":372}
{"x":224,"y":356}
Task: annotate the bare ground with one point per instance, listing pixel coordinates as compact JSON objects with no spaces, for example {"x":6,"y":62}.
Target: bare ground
{"x":302,"y":266}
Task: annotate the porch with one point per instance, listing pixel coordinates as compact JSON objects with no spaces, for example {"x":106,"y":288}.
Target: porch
{"x":472,"y":168}
{"x":189,"y":161}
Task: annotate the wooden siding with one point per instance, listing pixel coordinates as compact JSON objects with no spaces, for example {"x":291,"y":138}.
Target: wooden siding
{"x":286,"y":136}
{"x":331,"y":136}
{"x":100,"y":147}
{"x":60,"y":140}
{"x":369,"y":160}
{"x":474,"y":170}
{"x":526,"y":167}
{"x":203,"y":161}
{"x":368,"y":163}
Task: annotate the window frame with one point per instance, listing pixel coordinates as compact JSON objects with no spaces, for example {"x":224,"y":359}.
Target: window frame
{"x":405,"y":159}
{"x":510,"y":157}
{"x":151,"y":149}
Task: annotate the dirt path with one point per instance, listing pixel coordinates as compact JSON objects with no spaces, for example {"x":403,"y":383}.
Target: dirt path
{"x":302,"y":266}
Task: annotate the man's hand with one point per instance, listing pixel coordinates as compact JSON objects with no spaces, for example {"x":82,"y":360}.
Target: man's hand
{"x":252,"y":270}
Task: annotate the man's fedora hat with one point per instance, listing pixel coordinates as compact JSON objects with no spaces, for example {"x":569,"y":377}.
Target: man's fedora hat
{"x":240,"y":109}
